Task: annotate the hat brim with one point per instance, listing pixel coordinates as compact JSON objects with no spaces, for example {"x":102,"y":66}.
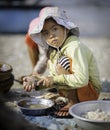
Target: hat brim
{"x":37,"y":24}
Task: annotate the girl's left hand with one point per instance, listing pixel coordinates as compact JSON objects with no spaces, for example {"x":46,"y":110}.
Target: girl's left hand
{"x":45,"y":81}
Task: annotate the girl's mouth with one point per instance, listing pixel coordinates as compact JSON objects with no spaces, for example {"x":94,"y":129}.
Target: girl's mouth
{"x":54,"y":42}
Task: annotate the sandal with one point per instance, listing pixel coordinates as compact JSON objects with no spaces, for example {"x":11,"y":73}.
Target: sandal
{"x":61,"y":112}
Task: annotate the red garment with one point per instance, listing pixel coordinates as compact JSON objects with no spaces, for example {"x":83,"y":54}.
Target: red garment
{"x":30,"y":42}
{"x":87,"y":93}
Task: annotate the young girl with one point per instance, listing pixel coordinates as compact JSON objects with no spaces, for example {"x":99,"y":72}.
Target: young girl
{"x":55,"y":32}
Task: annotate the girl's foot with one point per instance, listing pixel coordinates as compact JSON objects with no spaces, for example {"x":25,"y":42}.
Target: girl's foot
{"x":64,"y":111}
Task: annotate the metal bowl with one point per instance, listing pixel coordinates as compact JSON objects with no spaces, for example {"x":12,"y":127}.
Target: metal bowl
{"x":35,"y":107}
{"x":79,"y":109}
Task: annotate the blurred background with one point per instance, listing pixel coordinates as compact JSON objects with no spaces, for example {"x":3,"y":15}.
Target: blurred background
{"x":91,"y":16}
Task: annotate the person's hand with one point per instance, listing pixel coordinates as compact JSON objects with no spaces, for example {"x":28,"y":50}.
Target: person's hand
{"x":45,"y":81}
{"x":61,"y":70}
{"x":29,"y":83}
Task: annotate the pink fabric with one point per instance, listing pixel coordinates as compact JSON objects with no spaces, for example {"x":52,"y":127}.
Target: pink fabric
{"x":33,"y":24}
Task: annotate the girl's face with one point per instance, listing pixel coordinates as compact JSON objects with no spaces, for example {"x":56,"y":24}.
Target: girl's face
{"x":53,"y":33}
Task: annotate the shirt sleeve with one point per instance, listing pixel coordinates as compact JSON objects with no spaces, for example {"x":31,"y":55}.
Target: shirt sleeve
{"x":80,"y":75}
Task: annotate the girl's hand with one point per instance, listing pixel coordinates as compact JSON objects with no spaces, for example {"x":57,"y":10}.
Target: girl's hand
{"x":29,"y":83}
{"x":61,"y":70}
{"x":45,"y":81}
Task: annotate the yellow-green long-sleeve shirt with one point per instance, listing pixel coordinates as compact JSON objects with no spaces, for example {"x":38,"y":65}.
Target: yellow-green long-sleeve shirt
{"x":84,"y":67}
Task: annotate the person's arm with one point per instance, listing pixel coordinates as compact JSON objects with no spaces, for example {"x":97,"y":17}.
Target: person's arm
{"x":41,"y":65}
{"x":33,"y":50}
{"x":37,"y":55}
{"x":84,"y":68}
{"x":38,"y":58}
{"x":80,"y":68}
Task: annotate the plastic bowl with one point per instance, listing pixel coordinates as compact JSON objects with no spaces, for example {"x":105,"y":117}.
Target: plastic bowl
{"x":80,"y":109}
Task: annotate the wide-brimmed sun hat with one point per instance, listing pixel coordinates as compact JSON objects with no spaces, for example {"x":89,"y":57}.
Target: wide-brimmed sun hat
{"x":37,"y":24}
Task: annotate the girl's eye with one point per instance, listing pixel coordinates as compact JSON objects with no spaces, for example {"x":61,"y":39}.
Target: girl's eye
{"x":54,"y":29}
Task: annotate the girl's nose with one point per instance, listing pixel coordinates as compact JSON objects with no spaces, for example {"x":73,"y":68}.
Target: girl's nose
{"x":51,"y":35}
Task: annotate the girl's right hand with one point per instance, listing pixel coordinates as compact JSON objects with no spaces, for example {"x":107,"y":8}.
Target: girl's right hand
{"x":29,"y":83}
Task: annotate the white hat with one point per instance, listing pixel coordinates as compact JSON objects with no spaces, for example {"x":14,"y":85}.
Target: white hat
{"x":37,"y":24}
